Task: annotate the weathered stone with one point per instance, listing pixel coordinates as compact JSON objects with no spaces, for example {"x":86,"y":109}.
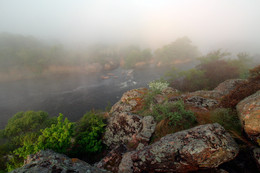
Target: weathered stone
{"x":256,"y":154}
{"x":128,"y":101}
{"x":112,"y":160}
{"x":216,"y":95}
{"x":129,"y":129}
{"x":198,"y":101}
{"x":204,"y":146}
{"x":126,"y":165}
{"x":249,"y":115}
{"x":49,"y":161}
{"x":227,"y":86}
{"x":169,"y":90}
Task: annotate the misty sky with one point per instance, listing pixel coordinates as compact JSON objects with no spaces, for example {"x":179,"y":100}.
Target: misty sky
{"x":232,"y":24}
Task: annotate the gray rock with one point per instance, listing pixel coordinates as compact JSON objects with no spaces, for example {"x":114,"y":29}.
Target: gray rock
{"x":129,"y":129}
{"x":249,"y":115}
{"x":201,"y":102}
{"x":227,"y":86}
{"x":126,"y":165}
{"x":169,"y":90}
{"x":48,"y":162}
{"x":204,"y":146}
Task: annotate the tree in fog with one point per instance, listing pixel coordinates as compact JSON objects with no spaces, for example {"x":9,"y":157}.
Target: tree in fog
{"x":181,"y":50}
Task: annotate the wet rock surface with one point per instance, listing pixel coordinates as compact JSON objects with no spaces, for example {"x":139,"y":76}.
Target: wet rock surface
{"x":50,"y":162}
{"x":204,"y":146}
{"x":249,"y":115}
{"x":129,"y":129}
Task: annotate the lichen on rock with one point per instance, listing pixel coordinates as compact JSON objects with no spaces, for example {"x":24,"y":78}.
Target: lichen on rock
{"x":204,"y":146}
{"x":249,"y":115}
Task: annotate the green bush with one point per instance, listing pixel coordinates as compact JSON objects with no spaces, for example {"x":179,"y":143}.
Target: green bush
{"x":57,"y":137}
{"x":21,"y":131}
{"x":30,"y":121}
{"x":227,"y":118}
{"x":88,"y":133}
{"x":175,"y":113}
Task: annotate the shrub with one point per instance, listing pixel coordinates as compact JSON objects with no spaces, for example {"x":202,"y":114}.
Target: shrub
{"x":30,"y":121}
{"x":88,"y":133}
{"x":213,"y":69}
{"x":243,"y":90}
{"x":57,"y":137}
{"x":227,"y":118}
{"x":172,"y":117}
{"x":175,"y":113}
{"x":158,"y":85}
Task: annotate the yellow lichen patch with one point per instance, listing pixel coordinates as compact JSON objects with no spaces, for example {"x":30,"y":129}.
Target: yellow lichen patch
{"x":74,"y":160}
{"x":139,"y":106}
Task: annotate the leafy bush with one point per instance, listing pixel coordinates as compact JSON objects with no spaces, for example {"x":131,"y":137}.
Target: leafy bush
{"x":57,"y":137}
{"x":22,"y":129}
{"x":175,"y":112}
{"x":227,"y":118}
{"x":30,"y":121}
{"x":66,"y":137}
{"x":158,"y":85}
{"x":171,"y":117}
{"x":88,"y":133}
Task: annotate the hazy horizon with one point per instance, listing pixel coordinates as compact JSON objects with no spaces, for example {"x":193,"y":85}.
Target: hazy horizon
{"x":230,"y":25}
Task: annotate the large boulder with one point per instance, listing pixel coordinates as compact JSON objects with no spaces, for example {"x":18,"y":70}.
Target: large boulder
{"x":49,"y":161}
{"x":227,"y":86}
{"x":249,"y":115}
{"x":204,"y":146}
{"x":129,"y":129}
{"x":221,"y":90}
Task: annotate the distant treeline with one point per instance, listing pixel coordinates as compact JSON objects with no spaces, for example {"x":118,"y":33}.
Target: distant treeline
{"x":27,"y":55}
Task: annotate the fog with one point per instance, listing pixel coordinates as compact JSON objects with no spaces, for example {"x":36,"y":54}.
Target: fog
{"x":231,"y":25}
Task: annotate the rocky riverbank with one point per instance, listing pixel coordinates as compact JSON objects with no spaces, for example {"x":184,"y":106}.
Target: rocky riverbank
{"x":205,"y":147}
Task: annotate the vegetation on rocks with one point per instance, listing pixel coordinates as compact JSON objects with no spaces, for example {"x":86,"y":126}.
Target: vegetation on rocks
{"x":214,"y":68}
{"x":243,"y":90}
{"x":227,"y":118}
{"x":30,"y":132}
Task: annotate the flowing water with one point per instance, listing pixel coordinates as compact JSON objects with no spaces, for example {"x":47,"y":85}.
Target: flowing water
{"x":72,"y":95}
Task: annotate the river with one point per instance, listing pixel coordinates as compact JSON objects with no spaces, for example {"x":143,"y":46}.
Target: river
{"x":71,"y":95}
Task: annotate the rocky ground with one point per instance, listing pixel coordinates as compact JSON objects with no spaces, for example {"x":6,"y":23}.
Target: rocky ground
{"x":208,"y":147}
